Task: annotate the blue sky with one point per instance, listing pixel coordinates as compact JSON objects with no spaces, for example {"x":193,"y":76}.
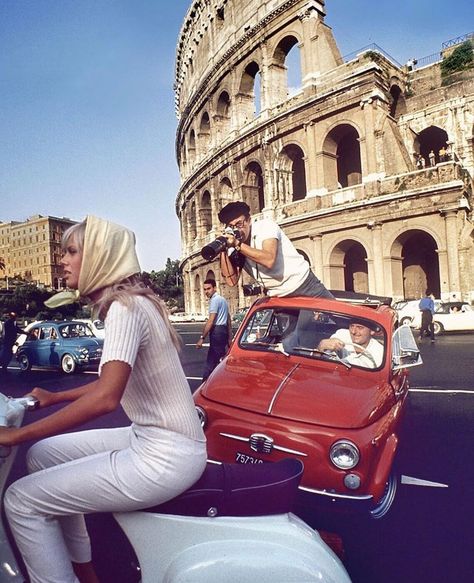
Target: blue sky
{"x":87,"y":121}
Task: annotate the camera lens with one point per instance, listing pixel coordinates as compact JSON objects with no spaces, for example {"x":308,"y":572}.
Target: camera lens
{"x":211,"y":251}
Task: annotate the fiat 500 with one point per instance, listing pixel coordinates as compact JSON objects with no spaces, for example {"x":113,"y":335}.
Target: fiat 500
{"x":321,"y":380}
{"x":69,"y":345}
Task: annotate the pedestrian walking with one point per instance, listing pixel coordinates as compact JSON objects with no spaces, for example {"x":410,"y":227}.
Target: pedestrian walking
{"x":427,"y":309}
{"x":218,"y":327}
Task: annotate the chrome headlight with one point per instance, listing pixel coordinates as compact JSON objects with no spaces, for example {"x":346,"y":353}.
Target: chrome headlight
{"x":83,"y":350}
{"x":344,"y":454}
{"x":202,"y":416}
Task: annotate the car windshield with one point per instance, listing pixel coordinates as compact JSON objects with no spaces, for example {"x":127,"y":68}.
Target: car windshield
{"x":75,"y":330}
{"x":313,"y":334}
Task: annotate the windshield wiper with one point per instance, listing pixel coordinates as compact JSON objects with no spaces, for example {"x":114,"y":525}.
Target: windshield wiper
{"x":324,"y":353}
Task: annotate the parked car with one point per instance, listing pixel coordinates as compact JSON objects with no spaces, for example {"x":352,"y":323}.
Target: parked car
{"x":69,"y":345}
{"x":197,"y":317}
{"x":97,"y":326}
{"x":409,"y":312}
{"x":453,"y":317}
{"x":183,"y":317}
{"x":277,"y":394}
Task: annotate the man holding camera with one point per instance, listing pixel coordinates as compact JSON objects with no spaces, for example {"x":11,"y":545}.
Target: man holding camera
{"x":218,"y":326}
{"x":263,"y":250}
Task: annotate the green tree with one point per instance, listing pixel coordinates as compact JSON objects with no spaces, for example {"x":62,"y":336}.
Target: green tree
{"x":168,"y":283}
{"x":461,"y":58}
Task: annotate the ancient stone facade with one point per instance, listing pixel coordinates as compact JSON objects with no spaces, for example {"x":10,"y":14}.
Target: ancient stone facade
{"x":367,"y":165}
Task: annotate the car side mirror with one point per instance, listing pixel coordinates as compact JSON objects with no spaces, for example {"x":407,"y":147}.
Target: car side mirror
{"x":405,"y":352}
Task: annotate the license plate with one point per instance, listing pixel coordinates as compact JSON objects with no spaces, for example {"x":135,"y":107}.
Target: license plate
{"x":243,"y":458}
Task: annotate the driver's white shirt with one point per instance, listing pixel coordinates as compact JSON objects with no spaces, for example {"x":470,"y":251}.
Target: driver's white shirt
{"x":351,"y":356}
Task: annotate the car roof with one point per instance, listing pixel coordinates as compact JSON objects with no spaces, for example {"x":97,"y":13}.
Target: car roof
{"x":382,"y":313}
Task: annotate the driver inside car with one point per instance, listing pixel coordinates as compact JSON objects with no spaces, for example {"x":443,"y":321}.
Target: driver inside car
{"x":355,"y":345}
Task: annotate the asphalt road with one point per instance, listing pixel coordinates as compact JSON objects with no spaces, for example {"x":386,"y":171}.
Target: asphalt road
{"x":427,"y":536}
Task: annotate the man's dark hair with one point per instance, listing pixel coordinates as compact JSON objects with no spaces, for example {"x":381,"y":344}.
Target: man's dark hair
{"x":233,"y":210}
{"x":211,"y":281}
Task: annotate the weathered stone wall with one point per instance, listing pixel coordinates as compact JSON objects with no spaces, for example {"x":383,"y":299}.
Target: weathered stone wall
{"x":336,"y":162}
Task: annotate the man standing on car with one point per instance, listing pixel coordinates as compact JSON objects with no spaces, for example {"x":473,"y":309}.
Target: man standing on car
{"x":427,"y":309}
{"x":218,"y":326}
{"x":264,"y":251}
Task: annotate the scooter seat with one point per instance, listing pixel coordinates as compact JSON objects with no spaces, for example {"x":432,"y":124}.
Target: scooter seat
{"x":239,"y":490}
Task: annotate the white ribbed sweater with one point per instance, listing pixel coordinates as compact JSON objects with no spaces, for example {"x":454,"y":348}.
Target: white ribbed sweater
{"x":157,"y":392}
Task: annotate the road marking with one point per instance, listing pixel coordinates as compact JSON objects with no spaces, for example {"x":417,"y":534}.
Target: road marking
{"x":442,"y":391}
{"x":194,"y":378}
{"x":194,"y":344}
{"x":411,"y":481}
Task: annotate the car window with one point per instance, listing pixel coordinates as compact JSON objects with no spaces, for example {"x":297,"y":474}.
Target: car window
{"x":316,"y":334}
{"x":45,"y":332}
{"x":75,"y":330}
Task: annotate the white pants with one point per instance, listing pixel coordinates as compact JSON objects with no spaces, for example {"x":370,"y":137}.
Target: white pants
{"x":102,"y":470}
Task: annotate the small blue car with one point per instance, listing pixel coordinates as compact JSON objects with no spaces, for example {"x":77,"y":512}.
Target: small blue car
{"x":69,"y":345}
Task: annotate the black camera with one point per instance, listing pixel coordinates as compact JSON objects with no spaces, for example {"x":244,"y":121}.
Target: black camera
{"x":212,"y":250}
{"x":252,"y":289}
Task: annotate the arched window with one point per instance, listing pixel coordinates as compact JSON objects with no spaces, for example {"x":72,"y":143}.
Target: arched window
{"x":249,"y":93}
{"x":223,"y":115}
{"x":432,"y":144}
{"x":285,"y":69}
{"x":397,"y":104}
{"x":204,"y":134}
{"x":341,"y":154}
{"x":291,"y":183}
{"x":253,"y":188}
{"x":206,"y":213}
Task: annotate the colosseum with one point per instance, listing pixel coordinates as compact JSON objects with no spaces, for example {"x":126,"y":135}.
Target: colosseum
{"x":366,"y":164}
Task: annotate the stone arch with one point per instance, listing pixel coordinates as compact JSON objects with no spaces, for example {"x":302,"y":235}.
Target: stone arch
{"x":226,"y":192}
{"x":206,"y":211}
{"x":349,"y":269}
{"x":291,"y":174}
{"x":341,"y":157}
{"x":204,"y":133}
{"x":415,"y":264}
{"x":192,"y":146}
{"x":432,"y":139}
{"x":253,"y":187}
{"x":285,"y":68}
{"x":223,"y":114}
{"x":192,"y":221}
{"x":249,"y":93}
{"x":211,"y":275}
{"x":397,"y":101}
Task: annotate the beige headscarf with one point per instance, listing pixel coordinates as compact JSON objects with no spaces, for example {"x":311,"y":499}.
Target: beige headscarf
{"x":108,"y":257}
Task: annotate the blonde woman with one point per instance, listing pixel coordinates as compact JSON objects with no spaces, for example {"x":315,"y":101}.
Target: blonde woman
{"x":160,"y":455}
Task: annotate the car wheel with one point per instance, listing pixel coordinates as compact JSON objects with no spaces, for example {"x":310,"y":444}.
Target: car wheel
{"x":68,"y":364}
{"x":388,"y":498}
{"x":438,"y":327}
{"x":405,"y":321}
{"x":24,"y":362}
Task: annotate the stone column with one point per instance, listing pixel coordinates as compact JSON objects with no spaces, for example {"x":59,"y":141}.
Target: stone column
{"x":452,"y":244}
{"x":312,"y":186}
{"x":378,"y":282}
{"x":318,"y":265}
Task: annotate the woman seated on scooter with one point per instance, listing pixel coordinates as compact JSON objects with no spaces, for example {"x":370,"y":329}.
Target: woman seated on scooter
{"x":159,"y":456}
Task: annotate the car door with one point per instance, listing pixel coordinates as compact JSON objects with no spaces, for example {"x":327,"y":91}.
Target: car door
{"x":46,"y":346}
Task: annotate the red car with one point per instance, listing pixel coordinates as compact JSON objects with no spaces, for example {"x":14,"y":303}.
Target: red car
{"x":321,"y":380}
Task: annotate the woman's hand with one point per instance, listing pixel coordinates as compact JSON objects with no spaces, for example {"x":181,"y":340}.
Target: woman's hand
{"x":45,"y":398}
{"x":8,"y":436}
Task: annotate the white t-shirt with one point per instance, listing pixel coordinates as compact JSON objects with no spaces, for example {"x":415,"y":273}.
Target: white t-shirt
{"x":290,"y":268}
{"x":157,"y":392}
{"x":350,"y":355}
